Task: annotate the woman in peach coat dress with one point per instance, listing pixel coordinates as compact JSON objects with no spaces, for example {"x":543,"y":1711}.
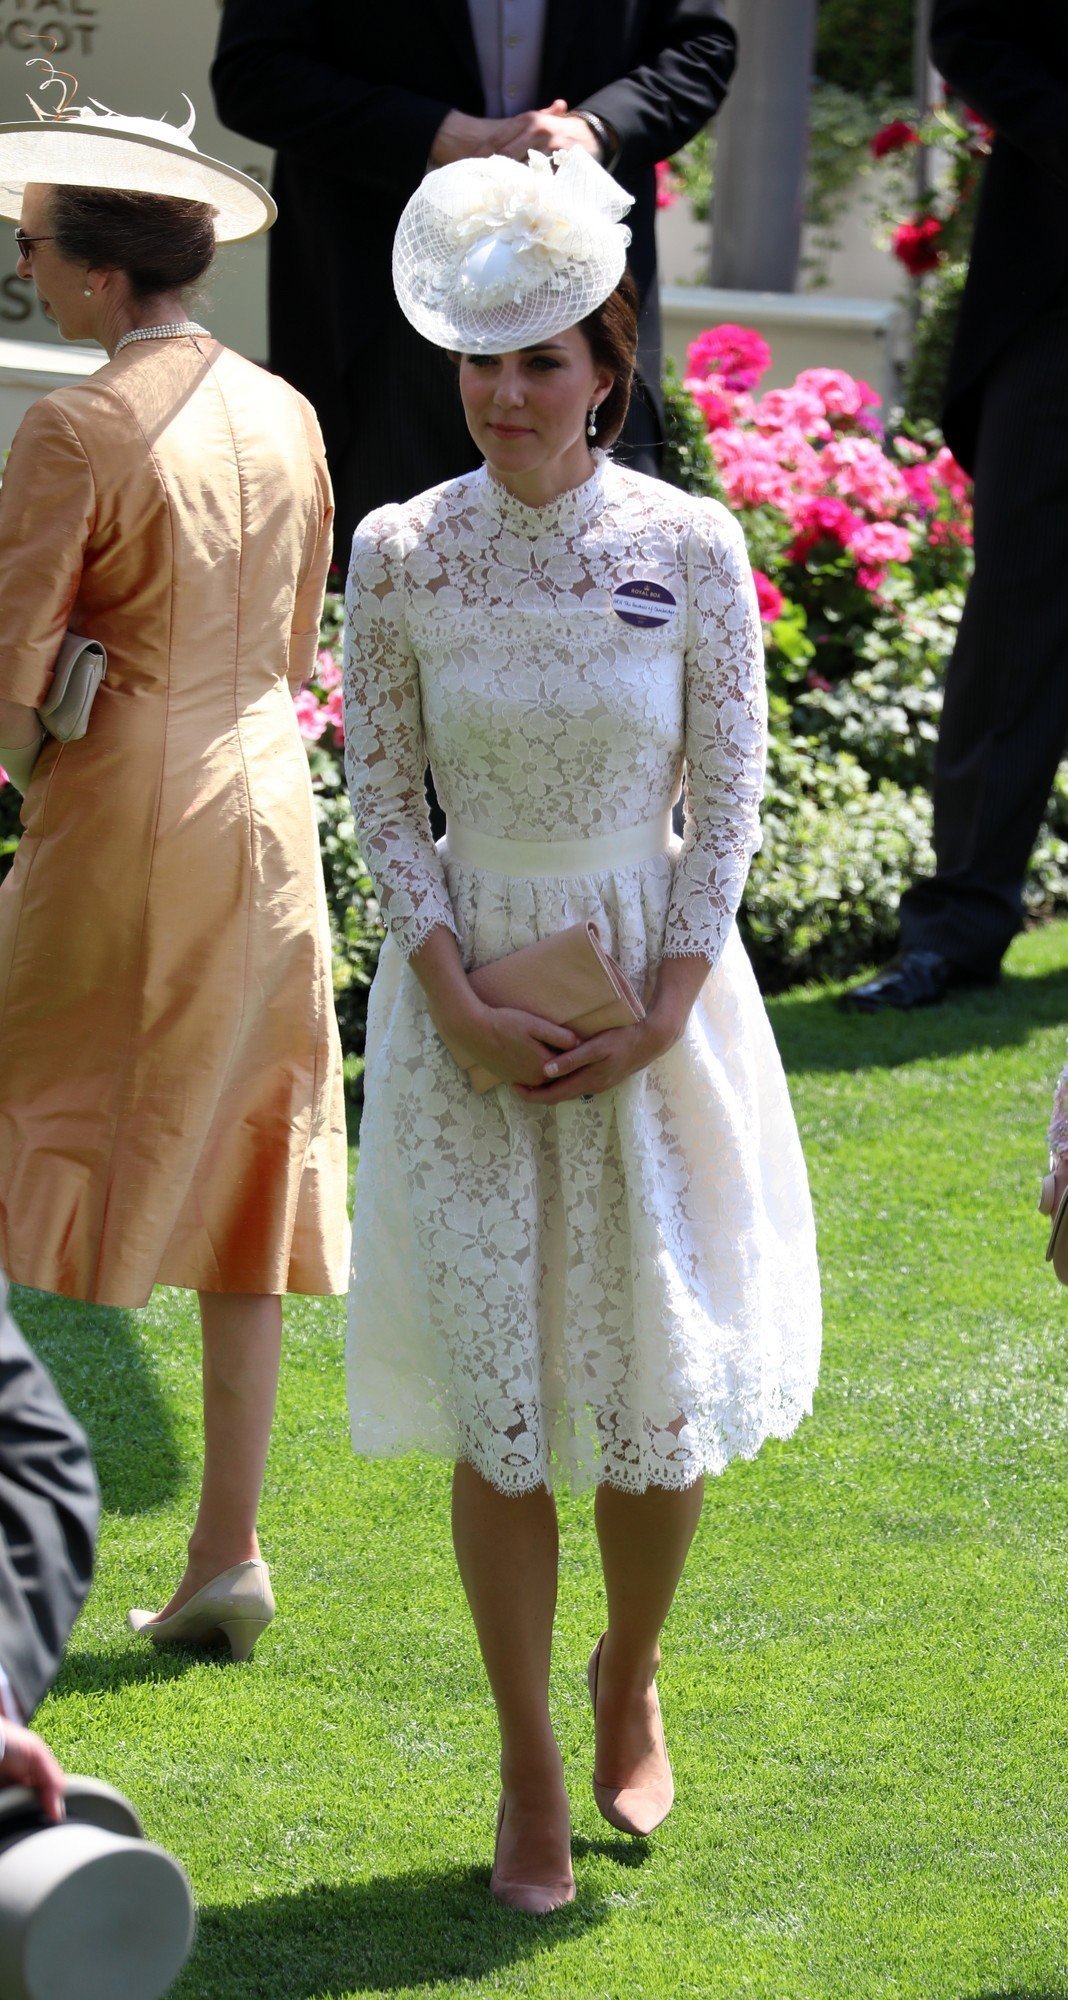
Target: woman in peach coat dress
{"x":170,"y":1075}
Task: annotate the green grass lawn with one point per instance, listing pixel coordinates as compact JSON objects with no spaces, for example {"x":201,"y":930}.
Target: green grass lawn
{"x":864,"y":1680}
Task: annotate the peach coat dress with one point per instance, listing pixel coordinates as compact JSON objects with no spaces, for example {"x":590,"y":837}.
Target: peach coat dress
{"x":170,"y":1073}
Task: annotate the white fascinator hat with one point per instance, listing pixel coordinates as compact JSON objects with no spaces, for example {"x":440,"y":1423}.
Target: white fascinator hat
{"x":495,"y":254}
{"x":90,"y":146}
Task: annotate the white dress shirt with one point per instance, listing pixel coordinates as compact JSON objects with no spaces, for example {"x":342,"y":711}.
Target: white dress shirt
{"x":508,"y":42}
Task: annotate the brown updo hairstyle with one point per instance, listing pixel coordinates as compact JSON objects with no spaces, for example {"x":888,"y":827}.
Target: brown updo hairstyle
{"x":611,"y":332}
{"x":162,"y":244}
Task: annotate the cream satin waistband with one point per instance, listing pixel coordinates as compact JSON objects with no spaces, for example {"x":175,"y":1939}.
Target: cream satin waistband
{"x":596,"y":856}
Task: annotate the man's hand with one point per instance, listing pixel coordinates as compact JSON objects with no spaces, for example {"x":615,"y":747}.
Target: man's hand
{"x":461,"y":137}
{"x":27,"y":1760}
{"x":553,"y":130}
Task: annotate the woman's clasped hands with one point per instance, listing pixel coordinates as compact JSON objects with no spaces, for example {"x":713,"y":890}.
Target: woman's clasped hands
{"x":543,"y":1061}
{"x":602,"y":1062}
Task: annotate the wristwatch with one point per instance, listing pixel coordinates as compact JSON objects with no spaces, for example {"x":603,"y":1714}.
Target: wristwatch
{"x":604,"y":135}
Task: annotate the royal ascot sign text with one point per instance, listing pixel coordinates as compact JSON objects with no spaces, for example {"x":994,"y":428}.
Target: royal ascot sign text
{"x":70,"y":24}
{"x":137,"y":57}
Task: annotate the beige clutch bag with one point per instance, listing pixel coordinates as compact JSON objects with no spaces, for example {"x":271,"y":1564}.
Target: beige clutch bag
{"x":569,"y":978}
{"x":81,"y":665}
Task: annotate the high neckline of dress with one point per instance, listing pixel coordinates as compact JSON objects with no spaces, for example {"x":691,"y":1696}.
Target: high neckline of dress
{"x":568,"y":511}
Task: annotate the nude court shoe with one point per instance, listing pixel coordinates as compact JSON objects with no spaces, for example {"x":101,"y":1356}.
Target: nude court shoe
{"x":239,"y":1604}
{"x":535,"y":1899}
{"x":637,"y":1809}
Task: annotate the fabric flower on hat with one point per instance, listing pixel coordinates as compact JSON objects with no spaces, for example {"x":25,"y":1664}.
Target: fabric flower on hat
{"x":497,"y":253}
{"x":514,"y":235}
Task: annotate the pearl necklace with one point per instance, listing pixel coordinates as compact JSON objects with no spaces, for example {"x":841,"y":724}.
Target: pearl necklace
{"x":170,"y":331}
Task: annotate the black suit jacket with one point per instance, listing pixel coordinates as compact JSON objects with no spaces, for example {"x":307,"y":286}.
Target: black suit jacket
{"x":351,"y":98}
{"x":1008,"y":59}
{"x":48,"y":1517}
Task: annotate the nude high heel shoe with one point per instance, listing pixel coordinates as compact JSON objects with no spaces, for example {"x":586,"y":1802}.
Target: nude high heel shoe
{"x":535,"y":1899}
{"x":239,"y":1604}
{"x":636,"y":1809}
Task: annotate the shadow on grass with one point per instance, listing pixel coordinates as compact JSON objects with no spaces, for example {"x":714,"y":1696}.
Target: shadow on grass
{"x":815,"y":1035}
{"x":1021,"y":1993}
{"x":103,"y":1673}
{"x":392,"y":1932}
{"x":626,"y":1850}
{"x":105,"y":1373}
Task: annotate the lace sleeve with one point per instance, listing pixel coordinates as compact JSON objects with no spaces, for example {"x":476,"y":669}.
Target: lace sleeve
{"x":384,"y":753}
{"x":726,"y":722}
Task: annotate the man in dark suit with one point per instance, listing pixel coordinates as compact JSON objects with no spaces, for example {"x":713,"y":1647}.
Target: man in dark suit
{"x":48,"y":1516}
{"x":1005,"y":718}
{"x":359,"y":102}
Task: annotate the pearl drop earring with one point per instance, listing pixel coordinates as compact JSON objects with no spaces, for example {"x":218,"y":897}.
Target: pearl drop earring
{"x":88,"y":292}
{"x":591,"y":423}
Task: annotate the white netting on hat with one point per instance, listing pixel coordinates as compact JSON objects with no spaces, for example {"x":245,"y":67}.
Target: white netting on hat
{"x":496,"y":254}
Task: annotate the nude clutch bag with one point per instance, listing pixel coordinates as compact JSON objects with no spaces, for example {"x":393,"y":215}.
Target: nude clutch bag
{"x":569,"y":978}
{"x":81,"y":665}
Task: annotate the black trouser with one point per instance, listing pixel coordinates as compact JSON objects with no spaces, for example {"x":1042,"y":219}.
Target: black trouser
{"x":408,"y":431}
{"x":1005,"y":717}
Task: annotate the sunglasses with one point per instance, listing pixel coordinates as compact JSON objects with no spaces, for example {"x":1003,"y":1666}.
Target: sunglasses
{"x":25,"y":243}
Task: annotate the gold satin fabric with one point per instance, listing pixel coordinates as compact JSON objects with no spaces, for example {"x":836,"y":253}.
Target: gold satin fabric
{"x":170,"y":1073}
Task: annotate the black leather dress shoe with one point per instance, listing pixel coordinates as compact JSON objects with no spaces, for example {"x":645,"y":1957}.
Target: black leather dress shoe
{"x":912,"y":979}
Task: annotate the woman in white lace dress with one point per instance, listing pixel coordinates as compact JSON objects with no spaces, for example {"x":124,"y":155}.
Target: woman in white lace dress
{"x":604,"y":1270}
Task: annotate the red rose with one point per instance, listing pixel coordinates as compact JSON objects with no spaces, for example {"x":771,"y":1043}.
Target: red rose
{"x":916,"y":245}
{"x":893,"y":138}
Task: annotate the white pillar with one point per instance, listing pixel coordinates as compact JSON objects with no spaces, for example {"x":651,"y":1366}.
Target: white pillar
{"x":762,"y":147}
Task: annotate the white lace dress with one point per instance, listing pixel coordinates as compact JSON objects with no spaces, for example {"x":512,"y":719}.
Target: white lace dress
{"x":625,"y":1289}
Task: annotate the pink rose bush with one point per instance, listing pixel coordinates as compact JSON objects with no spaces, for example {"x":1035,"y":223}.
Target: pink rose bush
{"x":735,"y":355}
{"x":859,"y":537}
{"x":835,"y":511}
{"x":319,"y":705}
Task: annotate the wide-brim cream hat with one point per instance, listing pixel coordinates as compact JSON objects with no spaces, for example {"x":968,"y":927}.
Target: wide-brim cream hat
{"x":496,"y":254}
{"x":79,"y":146}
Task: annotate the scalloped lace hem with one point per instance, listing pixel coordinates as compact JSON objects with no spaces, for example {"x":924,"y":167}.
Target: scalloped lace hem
{"x":576,"y":1472}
